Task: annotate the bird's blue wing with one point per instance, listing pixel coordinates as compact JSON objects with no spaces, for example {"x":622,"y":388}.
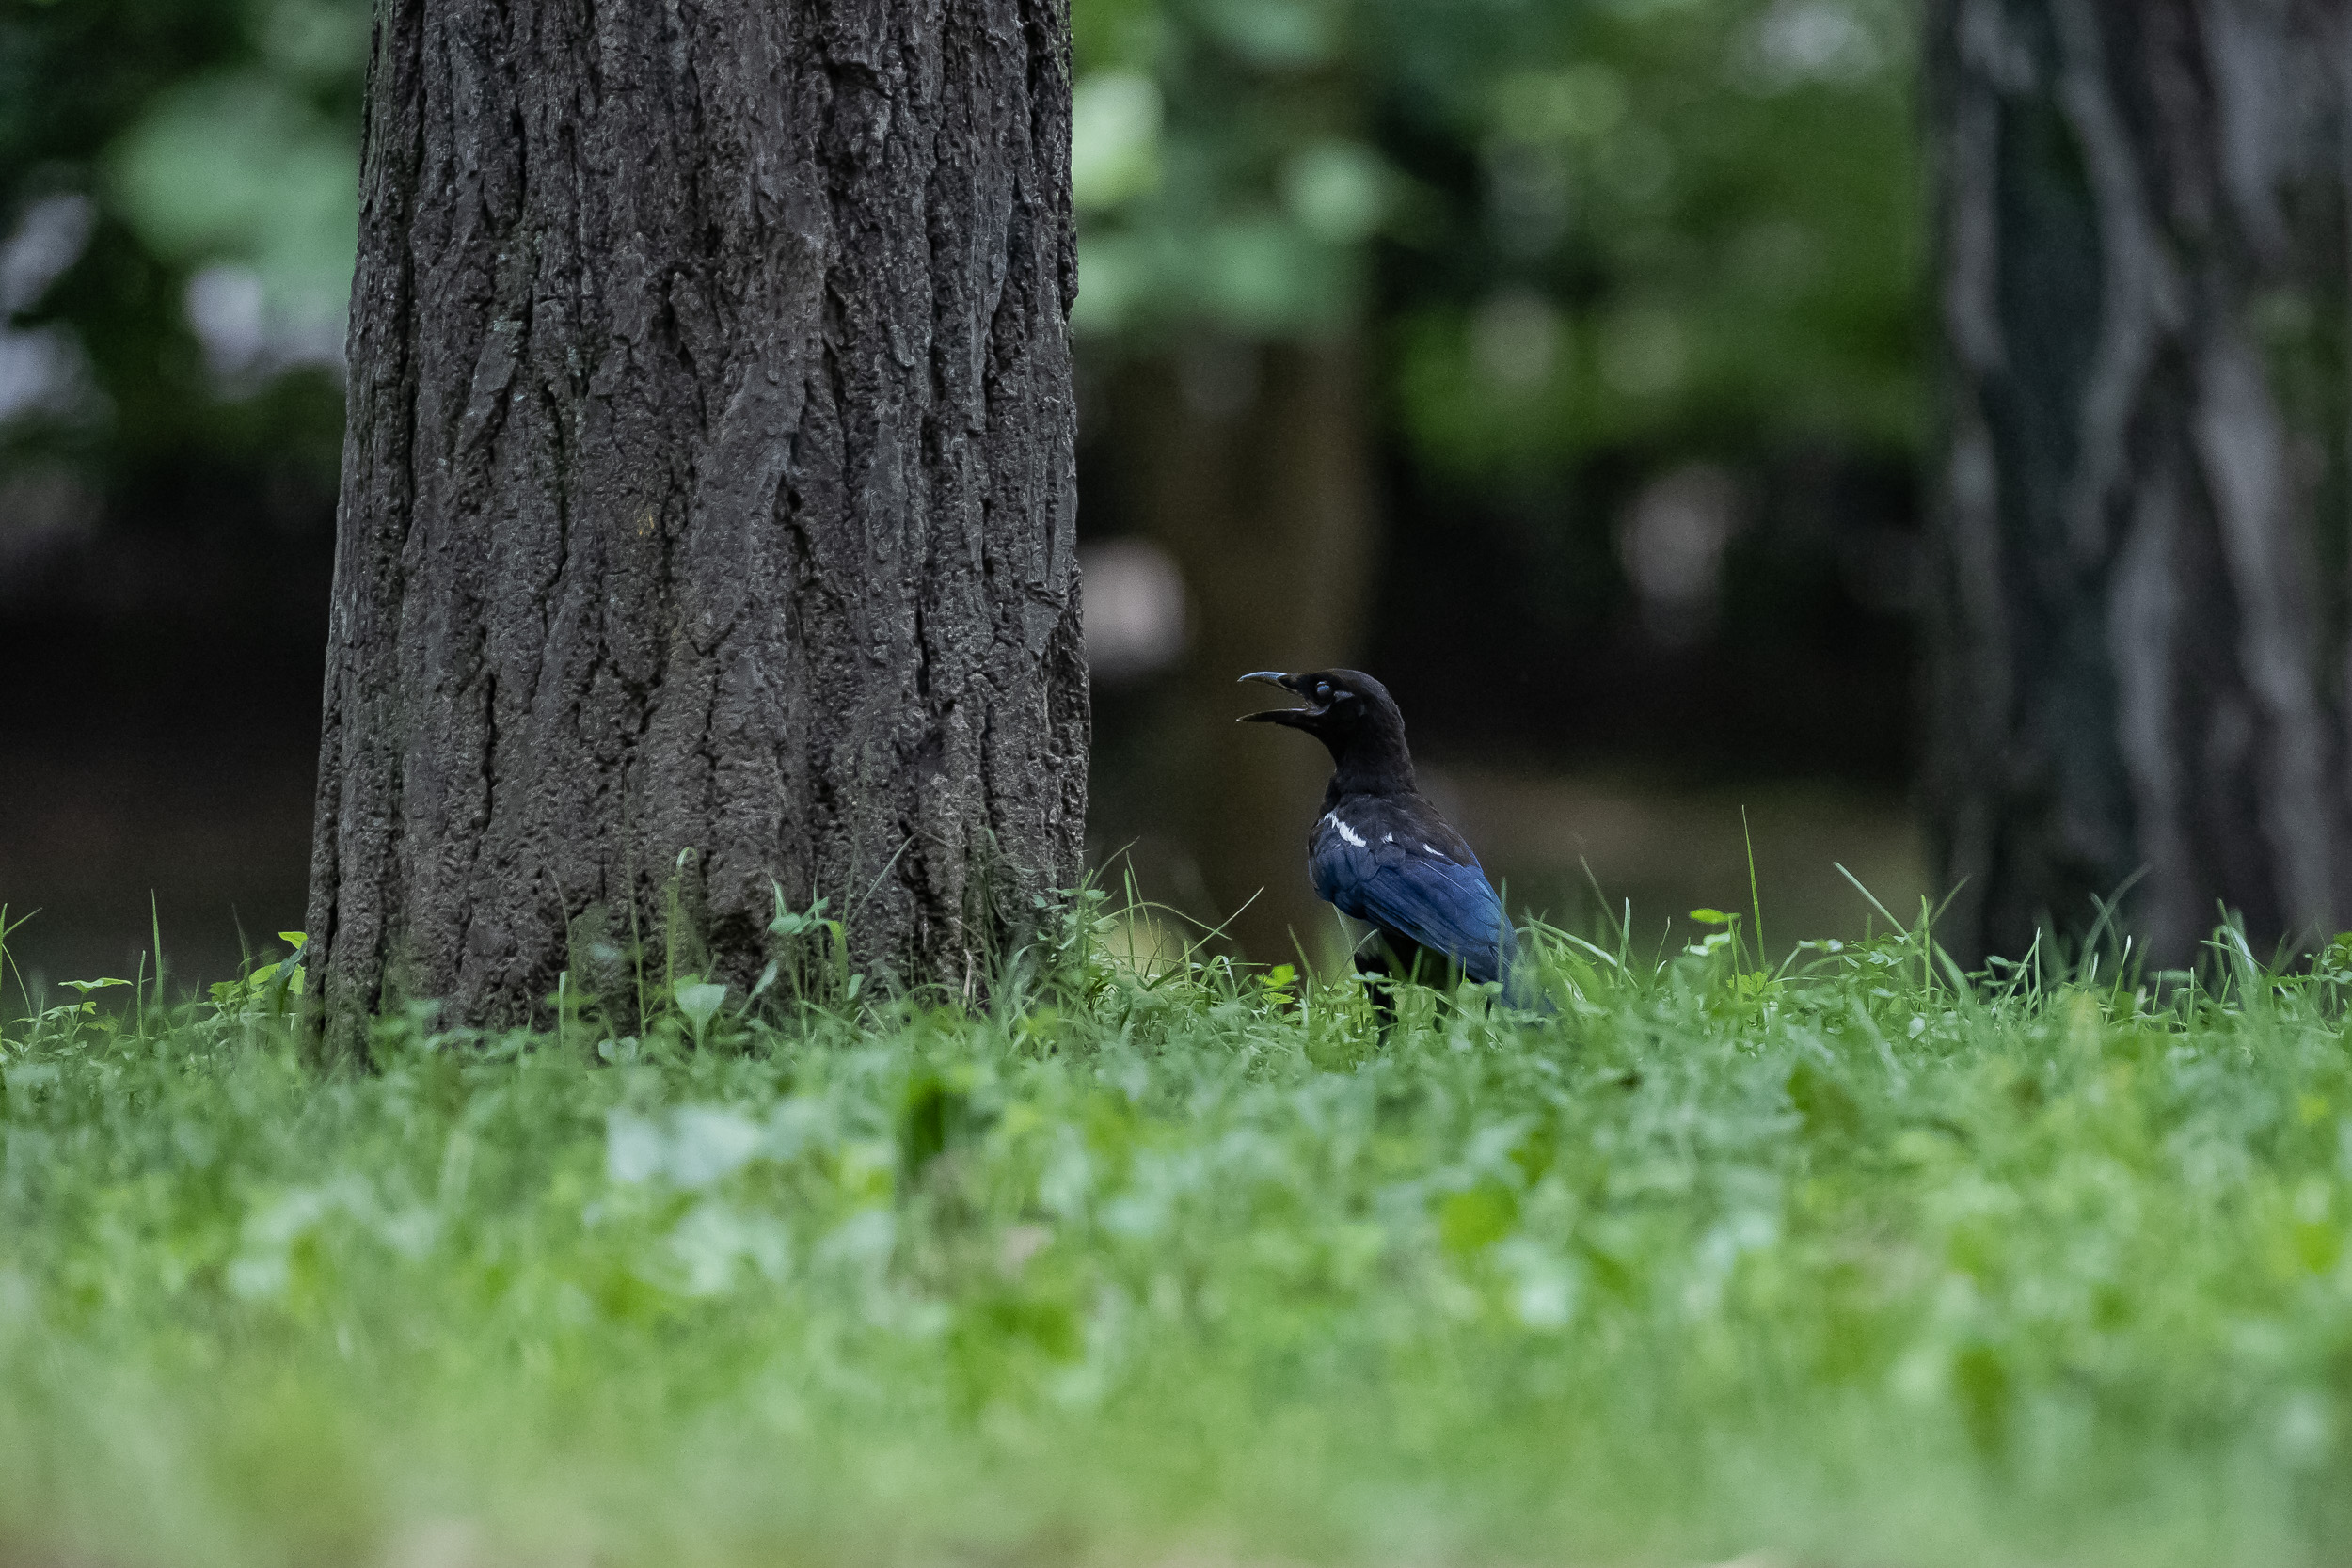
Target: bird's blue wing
{"x":1407,"y":888}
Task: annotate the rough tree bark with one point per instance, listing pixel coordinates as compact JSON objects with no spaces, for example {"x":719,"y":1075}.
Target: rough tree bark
{"x":1249,"y":467}
{"x":708,"y":498}
{"x":2142,"y":221}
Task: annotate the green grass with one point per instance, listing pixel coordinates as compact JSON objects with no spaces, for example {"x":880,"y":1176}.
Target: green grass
{"x":1857,"y":1267}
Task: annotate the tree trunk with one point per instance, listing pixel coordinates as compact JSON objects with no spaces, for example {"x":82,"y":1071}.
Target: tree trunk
{"x":1247,"y":462}
{"x":706,"y":525}
{"x":2142,"y":270}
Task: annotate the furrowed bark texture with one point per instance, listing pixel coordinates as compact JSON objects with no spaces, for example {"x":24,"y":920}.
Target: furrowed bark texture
{"x":707,"y":504}
{"x":2141,"y":213}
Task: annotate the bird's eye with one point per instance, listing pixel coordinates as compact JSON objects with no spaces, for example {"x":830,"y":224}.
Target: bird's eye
{"x":1323,"y":692}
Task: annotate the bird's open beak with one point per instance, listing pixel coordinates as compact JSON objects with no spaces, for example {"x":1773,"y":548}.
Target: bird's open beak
{"x":1279,"y":715}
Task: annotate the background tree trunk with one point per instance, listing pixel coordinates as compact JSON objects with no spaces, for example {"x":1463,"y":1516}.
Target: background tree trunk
{"x":1247,"y":462}
{"x":708,"y":494}
{"x":2142,"y":270}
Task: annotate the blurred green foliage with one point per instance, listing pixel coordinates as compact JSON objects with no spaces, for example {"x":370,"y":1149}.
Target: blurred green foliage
{"x":206,"y":153}
{"x":1566,"y":226}
{"x":1573,"y":225}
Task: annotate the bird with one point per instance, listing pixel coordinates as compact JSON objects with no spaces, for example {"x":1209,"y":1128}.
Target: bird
{"x":1379,"y":851}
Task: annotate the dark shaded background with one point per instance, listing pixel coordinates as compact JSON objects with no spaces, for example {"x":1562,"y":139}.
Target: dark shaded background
{"x":1556,"y":361}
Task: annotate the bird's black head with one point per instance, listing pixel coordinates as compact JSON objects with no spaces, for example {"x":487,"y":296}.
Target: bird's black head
{"x":1354,"y":715}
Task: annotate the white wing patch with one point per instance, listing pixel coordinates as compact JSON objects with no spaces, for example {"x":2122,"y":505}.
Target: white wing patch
{"x":1388,"y":838}
{"x":1434,"y":849}
{"x":1346,"y":832}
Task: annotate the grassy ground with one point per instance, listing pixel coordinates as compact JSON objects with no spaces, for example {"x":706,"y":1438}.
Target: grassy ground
{"x":1852,"y":1266}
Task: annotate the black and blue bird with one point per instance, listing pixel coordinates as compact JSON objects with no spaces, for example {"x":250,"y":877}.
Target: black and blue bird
{"x":1379,"y":851}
